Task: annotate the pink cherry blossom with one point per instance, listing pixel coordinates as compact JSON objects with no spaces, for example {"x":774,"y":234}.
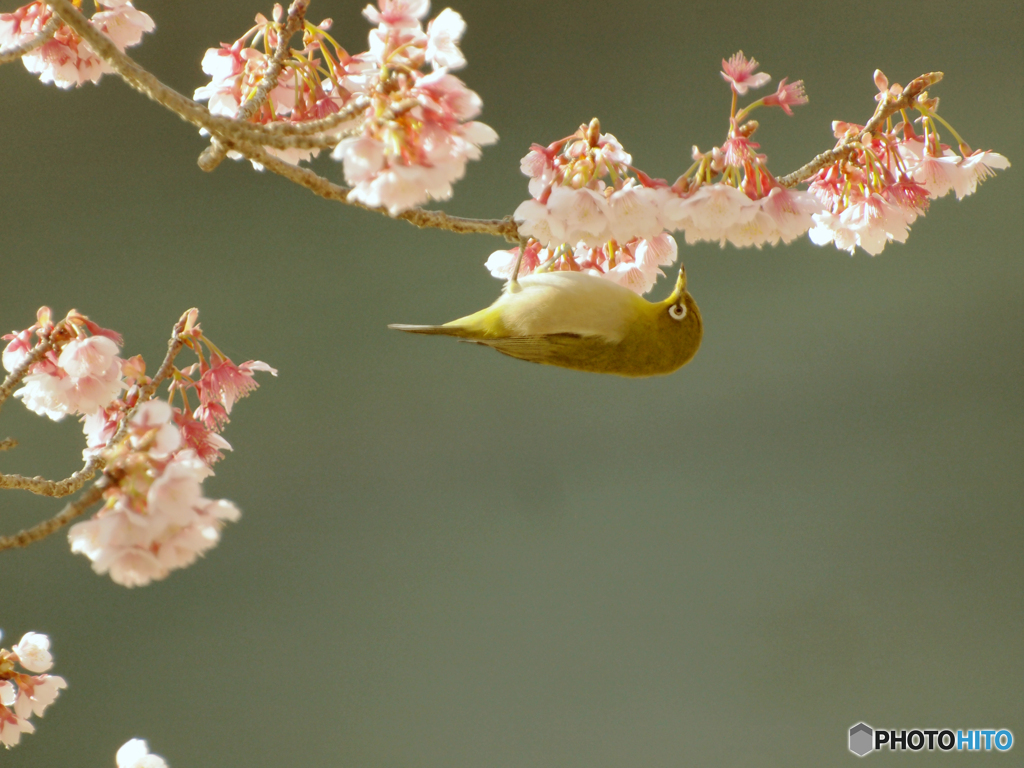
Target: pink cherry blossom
{"x":398,"y":164}
{"x":36,"y":693}
{"x":47,"y":394}
{"x":790,"y":211}
{"x":151,"y":428}
{"x":739,"y":72}
{"x":397,"y":13}
{"x":17,"y":349}
{"x":869,"y":223}
{"x":584,"y":191}
{"x":710,"y":212}
{"x":66,"y":60}
{"x":443,"y":35}
{"x":33,"y":652}
{"x":99,"y":428}
{"x":151,"y":526}
{"x":787,"y":96}
{"x":225,"y":382}
{"x":123,"y":24}
{"x":135,"y":754}
{"x":12,"y":726}
{"x":977,"y":167}
{"x":207,"y":444}
{"x":23,"y":695}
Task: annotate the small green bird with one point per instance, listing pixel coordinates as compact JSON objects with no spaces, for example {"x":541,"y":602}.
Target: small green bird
{"x":581,"y":321}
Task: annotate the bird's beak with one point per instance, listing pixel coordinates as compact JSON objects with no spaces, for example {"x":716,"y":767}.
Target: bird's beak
{"x":680,"y":289}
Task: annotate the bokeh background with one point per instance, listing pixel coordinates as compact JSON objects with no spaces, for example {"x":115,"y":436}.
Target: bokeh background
{"x":452,"y":558}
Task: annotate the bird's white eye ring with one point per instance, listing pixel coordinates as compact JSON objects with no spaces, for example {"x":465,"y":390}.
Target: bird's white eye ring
{"x":677,"y":311}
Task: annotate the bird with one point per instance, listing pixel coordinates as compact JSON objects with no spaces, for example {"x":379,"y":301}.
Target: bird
{"x":584,"y":322}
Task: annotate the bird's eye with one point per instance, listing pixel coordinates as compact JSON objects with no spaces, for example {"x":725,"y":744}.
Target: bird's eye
{"x":677,"y":311}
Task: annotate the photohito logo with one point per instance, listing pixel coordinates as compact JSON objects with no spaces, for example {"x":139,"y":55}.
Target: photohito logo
{"x":864,"y":739}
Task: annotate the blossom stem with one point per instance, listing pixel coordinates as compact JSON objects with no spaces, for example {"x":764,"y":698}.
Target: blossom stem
{"x":887,"y":106}
{"x":238,"y":135}
{"x":15,"y":52}
{"x":213,"y":155}
{"x":742,"y":114}
{"x":949,"y":127}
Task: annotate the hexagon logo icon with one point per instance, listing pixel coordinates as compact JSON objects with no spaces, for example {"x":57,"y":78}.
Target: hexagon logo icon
{"x":861,"y":739}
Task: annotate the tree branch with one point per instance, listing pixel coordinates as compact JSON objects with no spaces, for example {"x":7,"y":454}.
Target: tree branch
{"x":243,"y":137}
{"x":72,"y":510}
{"x":42,"y":487}
{"x":888,"y":105}
{"x":505,"y":227}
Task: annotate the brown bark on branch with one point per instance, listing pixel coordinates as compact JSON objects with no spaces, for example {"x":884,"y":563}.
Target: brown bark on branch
{"x":888,"y":105}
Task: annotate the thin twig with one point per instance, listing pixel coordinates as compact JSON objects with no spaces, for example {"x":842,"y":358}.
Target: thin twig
{"x":72,"y":510}
{"x":57,"y":488}
{"x":887,"y":106}
{"x":15,"y":52}
{"x":213,"y":155}
{"x":236,"y":135}
{"x":174,"y":345}
{"x":358,"y":104}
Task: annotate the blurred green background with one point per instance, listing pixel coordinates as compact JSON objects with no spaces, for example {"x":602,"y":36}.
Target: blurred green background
{"x":452,"y":558}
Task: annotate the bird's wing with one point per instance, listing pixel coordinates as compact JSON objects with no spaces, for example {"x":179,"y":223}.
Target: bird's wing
{"x":569,"y":350}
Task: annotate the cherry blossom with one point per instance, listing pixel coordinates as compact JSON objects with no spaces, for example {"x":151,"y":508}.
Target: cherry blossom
{"x":80,"y":375}
{"x":33,"y":652}
{"x":443,"y":35}
{"x":635,"y":264}
{"x":135,"y":754}
{"x":786,"y":96}
{"x":869,"y":223}
{"x":156,"y":519}
{"x":66,"y":60}
{"x":710,"y":212}
{"x":23,"y":695}
{"x":397,"y":14}
{"x":402,"y":162}
{"x":584,"y":191}
{"x":739,"y":72}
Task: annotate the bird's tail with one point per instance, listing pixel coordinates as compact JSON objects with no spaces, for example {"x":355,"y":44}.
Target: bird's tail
{"x":435,"y":330}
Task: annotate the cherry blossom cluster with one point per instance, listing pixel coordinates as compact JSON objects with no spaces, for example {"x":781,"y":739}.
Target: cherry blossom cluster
{"x":66,"y":60}
{"x":729,"y":195}
{"x":419,"y":131}
{"x":315,"y":82}
{"x":590,"y":210}
{"x":872,"y":195}
{"x":416,"y":132}
{"x":81,"y":372}
{"x":155,"y":518}
{"x":23,"y":695}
